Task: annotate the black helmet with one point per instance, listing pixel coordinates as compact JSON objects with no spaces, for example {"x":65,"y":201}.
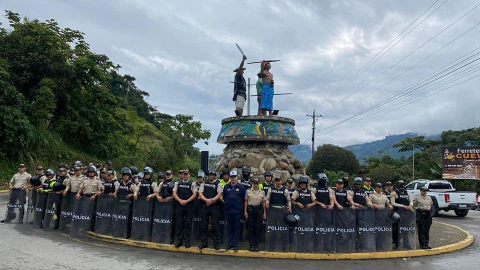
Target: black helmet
{"x":35,"y":180}
{"x":212,"y":172}
{"x":292,"y":220}
{"x":126,"y":170}
{"x":357,"y":181}
{"x":322,"y":176}
{"x":246,"y":169}
{"x":147,"y":170}
{"x":227,"y":172}
{"x":269,"y":173}
{"x":303,"y":179}
{"x":58,"y":186}
{"x":394,"y":217}
{"x":160,"y":175}
{"x":133,"y":170}
{"x":91,"y":169}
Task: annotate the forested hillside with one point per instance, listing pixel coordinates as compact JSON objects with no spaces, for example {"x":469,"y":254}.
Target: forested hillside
{"x":60,"y":102}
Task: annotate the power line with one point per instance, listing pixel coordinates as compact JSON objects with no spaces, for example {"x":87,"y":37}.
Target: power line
{"x":375,"y":59}
{"x":408,"y":90}
{"x":408,"y":55}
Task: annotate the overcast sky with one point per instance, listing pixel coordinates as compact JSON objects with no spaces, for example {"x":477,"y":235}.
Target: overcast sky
{"x":183,"y":54}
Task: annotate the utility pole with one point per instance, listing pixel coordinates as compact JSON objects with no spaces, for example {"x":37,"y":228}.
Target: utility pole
{"x":248,"y":107}
{"x":314,"y":119}
{"x":413,"y":163}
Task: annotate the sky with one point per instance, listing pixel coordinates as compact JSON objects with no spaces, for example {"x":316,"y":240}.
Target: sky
{"x":345,"y":59}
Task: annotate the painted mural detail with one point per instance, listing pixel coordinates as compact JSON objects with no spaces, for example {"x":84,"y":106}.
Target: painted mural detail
{"x":256,"y":128}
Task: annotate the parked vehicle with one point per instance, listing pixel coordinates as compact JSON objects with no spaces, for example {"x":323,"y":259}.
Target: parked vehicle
{"x":444,"y":196}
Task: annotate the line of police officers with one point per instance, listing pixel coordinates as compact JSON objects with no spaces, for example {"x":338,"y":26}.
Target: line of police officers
{"x":226,"y":198}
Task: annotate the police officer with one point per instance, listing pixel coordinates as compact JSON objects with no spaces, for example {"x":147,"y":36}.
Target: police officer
{"x":367,"y":185}
{"x":145,"y":187}
{"x":254,"y":211}
{"x":388,"y":190}
{"x":37,"y":180}
{"x":209,"y":194}
{"x":423,"y":204}
{"x":20,"y":182}
{"x":109,"y":184}
{"x":224,"y":178}
{"x":108,"y":166}
{"x":158,"y":184}
{"x":180,"y":175}
{"x":200,"y":179}
{"x":58,"y":187}
{"x":346,"y":185}
{"x":290,"y":187}
{"x":234,"y":196}
{"x":184,"y":193}
{"x":360,"y":197}
{"x":90,"y":186}
{"x":246,"y":171}
{"x":134,"y":171}
{"x":399,"y":199}
{"x":303,"y":197}
{"x":164,"y":194}
{"x":49,"y":181}
{"x":124,"y":188}
{"x":72,"y":183}
{"x":379,"y":199}
{"x":268,"y":181}
{"x":324,"y":196}
{"x":343,"y":198}
{"x":278,"y":195}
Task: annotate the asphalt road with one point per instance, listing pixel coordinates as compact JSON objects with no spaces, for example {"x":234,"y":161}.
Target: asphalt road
{"x":22,"y":247}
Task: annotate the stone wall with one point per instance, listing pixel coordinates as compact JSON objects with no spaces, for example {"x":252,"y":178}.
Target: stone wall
{"x":260,"y":156}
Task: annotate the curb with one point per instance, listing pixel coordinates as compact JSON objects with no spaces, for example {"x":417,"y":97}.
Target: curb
{"x":291,"y":255}
{"x":5,"y":191}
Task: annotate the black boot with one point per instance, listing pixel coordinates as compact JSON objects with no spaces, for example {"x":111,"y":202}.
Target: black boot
{"x":252,"y":247}
{"x":216,"y":246}
{"x":203,"y":245}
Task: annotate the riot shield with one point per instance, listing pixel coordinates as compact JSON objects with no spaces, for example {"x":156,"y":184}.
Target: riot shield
{"x":142,"y":219}
{"x":243,"y":240}
{"x":103,"y":222}
{"x":196,"y":223}
{"x":276,"y":237}
{"x":324,"y":230}
{"x":67,"y":212}
{"x":82,"y":216}
{"x":120,"y":219}
{"x":345,"y":222}
{"x":304,"y":233}
{"x":162,"y":222}
{"x":50,"y":215}
{"x":15,"y":206}
{"x":383,"y":228}
{"x":40,"y":205}
{"x":30,"y":208}
{"x":407,"y":230}
{"x":366,"y":241}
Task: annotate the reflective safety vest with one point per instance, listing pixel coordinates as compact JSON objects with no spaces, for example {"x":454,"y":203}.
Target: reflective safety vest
{"x":369,"y":190}
{"x":341,"y":197}
{"x":304,"y":197}
{"x":48,"y":184}
{"x":108,"y":187}
{"x":266,"y":186}
{"x":124,"y":190}
{"x":184,"y":189}
{"x":359,"y":197}
{"x":323,"y":195}
{"x":277,"y":196}
{"x":402,"y":197}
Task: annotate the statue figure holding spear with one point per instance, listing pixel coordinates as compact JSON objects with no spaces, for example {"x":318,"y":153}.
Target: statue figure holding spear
{"x":267,"y":88}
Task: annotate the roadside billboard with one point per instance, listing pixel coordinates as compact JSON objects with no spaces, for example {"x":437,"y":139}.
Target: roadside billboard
{"x":461,"y":162}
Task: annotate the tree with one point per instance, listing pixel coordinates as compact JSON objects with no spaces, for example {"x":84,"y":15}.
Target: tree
{"x":333,"y":158}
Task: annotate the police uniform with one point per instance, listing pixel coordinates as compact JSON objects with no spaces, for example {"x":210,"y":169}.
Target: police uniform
{"x":341,"y":197}
{"x":423,"y":205}
{"x":145,"y":188}
{"x":398,"y":199}
{"x":72,"y":183}
{"x":209,"y":190}
{"x":265,"y":186}
{"x":304,"y":197}
{"x":184,"y":213}
{"x":109,"y":187}
{"x":379,"y":199}
{"x":254,"y":199}
{"x":323,"y":195}
{"x":124,"y":189}
{"x":20,"y":180}
{"x":369,"y":190}
{"x":278,"y":196}
{"x":360,"y":197}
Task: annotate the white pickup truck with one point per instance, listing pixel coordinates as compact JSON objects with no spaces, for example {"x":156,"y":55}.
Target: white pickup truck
{"x":444,"y":196}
